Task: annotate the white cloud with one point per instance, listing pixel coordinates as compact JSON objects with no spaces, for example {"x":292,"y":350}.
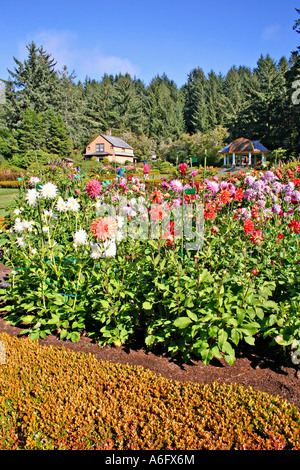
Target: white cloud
{"x":64,"y":46}
{"x":271,"y":32}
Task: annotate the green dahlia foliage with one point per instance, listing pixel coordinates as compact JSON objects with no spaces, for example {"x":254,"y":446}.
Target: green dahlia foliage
{"x":193,"y":267}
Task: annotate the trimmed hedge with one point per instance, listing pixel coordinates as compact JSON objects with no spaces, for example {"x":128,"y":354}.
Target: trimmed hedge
{"x":53,"y":398}
{"x":10,"y":184}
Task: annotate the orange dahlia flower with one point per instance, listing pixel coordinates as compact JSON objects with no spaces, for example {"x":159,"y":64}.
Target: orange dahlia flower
{"x":156,"y":196}
{"x":225,"y":196}
{"x":104,"y":228}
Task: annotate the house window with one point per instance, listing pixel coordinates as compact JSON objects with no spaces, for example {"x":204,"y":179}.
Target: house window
{"x":99,"y":147}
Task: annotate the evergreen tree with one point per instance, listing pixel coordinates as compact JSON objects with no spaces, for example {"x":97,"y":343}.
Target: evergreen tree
{"x":72,"y":106}
{"x":31,"y":133}
{"x":58,"y":142}
{"x":293,"y":87}
{"x":265,"y":91}
{"x":98,"y":103}
{"x":33,"y":84}
{"x":126,"y":106}
{"x":164,"y":108}
{"x":216,"y":102}
{"x":8,"y":143}
{"x":296,"y":26}
{"x":235,"y":99}
{"x":195,"y":109}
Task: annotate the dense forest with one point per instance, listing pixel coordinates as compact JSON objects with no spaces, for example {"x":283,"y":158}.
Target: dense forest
{"x":47,"y":112}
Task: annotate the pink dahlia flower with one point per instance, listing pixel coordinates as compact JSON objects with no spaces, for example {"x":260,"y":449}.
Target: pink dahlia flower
{"x":104,"y":228}
{"x":93,"y":188}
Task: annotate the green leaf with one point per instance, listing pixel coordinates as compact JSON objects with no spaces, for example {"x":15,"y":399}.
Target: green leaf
{"x":63,"y":334}
{"x":34,"y":335}
{"x":229,"y":353}
{"x":74,"y":336}
{"x":149,"y":340}
{"x":59,"y":299}
{"x":55,"y":320}
{"x":182,"y":322}
{"x":206,"y":355}
{"x":249,"y":329}
{"x":28,"y":319}
{"x":270,"y":304}
{"x":250,"y":340}
{"x":259,"y":313}
{"x":234,"y":334}
{"x":205,"y":276}
{"x":147,"y":306}
{"x":222,"y":338}
{"x":192,"y":315}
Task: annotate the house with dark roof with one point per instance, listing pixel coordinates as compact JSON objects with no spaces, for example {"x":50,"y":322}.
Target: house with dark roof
{"x":244,"y":151}
{"x":113,"y":148}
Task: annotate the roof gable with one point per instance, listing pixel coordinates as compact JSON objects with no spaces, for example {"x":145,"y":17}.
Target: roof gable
{"x":116,"y":141}
{"x":242,"y":145}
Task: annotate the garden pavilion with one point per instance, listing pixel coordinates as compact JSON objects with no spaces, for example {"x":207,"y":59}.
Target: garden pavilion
{"x":242,"y":150}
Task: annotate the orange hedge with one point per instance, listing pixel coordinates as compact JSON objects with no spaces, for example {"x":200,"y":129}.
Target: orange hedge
{"x":53,"y":398}
{"x":10,"y":184}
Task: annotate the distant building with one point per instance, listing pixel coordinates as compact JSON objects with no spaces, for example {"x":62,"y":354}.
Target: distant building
{"x":114,"y":149}
{"x":244,"y":152}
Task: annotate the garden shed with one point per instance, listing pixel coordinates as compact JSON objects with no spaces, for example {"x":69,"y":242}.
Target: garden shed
{"x":244,"y":152}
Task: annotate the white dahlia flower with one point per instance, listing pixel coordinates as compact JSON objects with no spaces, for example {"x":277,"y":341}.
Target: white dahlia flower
{"x":80,"y":237}
{"x":49,"y":191}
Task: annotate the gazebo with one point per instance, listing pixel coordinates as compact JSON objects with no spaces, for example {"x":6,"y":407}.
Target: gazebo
{"x":244,"y":149}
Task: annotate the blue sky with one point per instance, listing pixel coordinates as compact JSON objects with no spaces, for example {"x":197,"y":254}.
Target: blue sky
{"x":148,"y":37}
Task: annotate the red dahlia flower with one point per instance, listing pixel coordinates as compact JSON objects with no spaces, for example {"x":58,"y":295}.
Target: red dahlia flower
{"x":156,"y":196}
{"x":170,"y":234}
{"x":239,"y":195}
{"x":158,"y":212}
{"x":183,"y":169}
{"x":248,"y":226}
{"x":225,"y":196}
{"x":257,"y":237}
{"x":209,"y":211}
{"x":296,"y":181}
{"x":279,"y":237}
{"x":294,"y":226}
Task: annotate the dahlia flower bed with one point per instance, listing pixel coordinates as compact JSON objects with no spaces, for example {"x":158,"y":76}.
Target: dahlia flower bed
{"x":191,"y":267}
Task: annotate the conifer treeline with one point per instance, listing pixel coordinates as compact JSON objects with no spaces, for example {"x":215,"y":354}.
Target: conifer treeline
{"x":48,"y":110}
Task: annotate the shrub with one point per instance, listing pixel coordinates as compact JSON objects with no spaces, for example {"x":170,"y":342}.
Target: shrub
{"x":8,"y":167}
{"x":10,"y":184}
{"x":55,"y":399}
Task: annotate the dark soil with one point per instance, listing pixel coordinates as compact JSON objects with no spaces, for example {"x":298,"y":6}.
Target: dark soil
{"x":259,"y":366}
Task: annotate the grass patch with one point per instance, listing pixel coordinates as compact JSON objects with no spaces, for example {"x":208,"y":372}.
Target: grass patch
{"x":7,"y":196}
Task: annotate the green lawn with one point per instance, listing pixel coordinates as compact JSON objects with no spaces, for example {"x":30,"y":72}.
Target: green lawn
{"x":7,"y":196}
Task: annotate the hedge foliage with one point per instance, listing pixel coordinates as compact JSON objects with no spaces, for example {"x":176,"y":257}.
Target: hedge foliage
{"x":53,"y":398}
{"x":10,"y":184}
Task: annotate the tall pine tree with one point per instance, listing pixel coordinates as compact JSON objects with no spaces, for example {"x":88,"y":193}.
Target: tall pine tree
{"x":196,"y":117}
{"x":33,"y":84}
